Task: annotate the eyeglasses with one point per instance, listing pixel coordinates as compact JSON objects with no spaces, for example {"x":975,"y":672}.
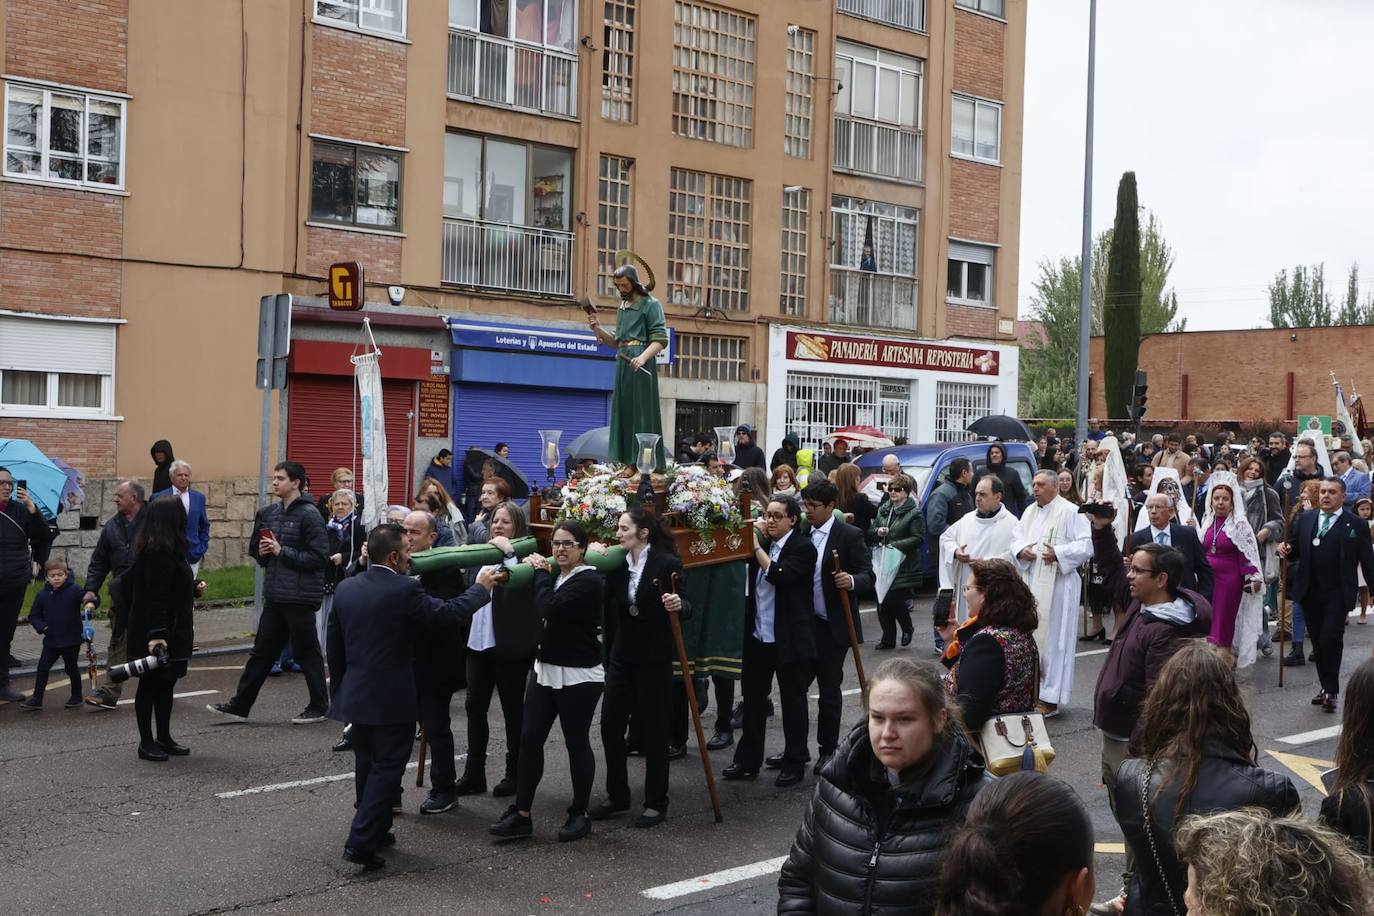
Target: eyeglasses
{"x":557,"y":545}
{"x":775,"y":516}
{"x":1142,"y":572}
{"x":6,"y":483}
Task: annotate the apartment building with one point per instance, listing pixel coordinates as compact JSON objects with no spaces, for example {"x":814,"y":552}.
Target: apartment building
{"x":845,"y":170}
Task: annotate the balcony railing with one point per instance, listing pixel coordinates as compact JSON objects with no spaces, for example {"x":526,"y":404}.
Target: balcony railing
{"x":877,"y":149}
{"x":872,"y":300}
{"x":518,"y":259}
{"x":904,"y":14}
{"x":490,"y":69}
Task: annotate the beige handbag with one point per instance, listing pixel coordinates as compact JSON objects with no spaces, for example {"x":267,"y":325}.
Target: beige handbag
{"x":1017,"y":741}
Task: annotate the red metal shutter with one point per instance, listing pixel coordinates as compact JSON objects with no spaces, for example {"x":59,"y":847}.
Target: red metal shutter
{"x":321,"y":420}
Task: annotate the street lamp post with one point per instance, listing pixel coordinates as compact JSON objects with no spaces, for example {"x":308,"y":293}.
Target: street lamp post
{"x":1085,"y":261}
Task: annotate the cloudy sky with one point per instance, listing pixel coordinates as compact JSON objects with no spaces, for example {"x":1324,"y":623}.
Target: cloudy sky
{"x":1248,"y":125}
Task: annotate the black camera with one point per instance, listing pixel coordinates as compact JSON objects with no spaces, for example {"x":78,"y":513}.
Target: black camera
{"x":118,"y":674}
{"x":1098,"y":510}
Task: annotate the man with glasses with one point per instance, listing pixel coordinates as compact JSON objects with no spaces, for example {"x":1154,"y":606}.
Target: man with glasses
{"x":22,"y":531}
{"x":1158,"y":614}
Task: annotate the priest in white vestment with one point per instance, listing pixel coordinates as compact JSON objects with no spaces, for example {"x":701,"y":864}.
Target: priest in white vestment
{"x":1049,"y":543}
{"x":984,"y":534}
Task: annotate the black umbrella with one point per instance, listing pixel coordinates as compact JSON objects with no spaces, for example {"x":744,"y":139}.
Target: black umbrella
{"x":1000,"y":426}
{"x":594,"y":444}
{"x":519,"y":483}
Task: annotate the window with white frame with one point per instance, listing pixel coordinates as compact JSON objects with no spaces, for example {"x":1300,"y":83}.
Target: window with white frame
{"x":977,"y":130}
{"x":387,"y":17}
{"x":709,"y":230}
{"x":796,"y":208}
{"x":873,"y":236}
{"x":957,"y":404}
{"x":551,"y":23}
{"x":970,"y":273}
{"x":495,"y":180}
{"x":64,"y":136}
{"x":818,"y":403}
{"x":991,"y":7}
{"x":801,"y":68}
{"x":614,"y":213}
{"x":708,"y":357}
{"x":713,"y":74}
{"x":618,"y":61}
{"x":56,"y":366}
{"x":878,"y":85}
{"x":355,"y":185}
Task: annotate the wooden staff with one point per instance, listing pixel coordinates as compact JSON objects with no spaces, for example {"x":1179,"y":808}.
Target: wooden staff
{"x":849,"y":623}
{"x":420,"y":770}
{"x":1283,"y":575}
{"x":691,"y":697}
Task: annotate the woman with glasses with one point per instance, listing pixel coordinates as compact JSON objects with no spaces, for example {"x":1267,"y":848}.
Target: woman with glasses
{"x":565,"y":685}
{"x":899,"y":524}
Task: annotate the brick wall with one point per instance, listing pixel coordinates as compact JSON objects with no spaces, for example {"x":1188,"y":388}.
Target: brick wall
{"x":59,"y":219}
{"x":970,"y":321}
{"x":87,"y":445}
{"x":974,"y":205}
{"x":978,"y":54}
{"x":357,"y":86}
{"x":380,"y":255}
{"x":81,"y":43}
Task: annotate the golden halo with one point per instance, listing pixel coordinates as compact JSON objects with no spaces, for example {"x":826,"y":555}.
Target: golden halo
{"x":625,"y":256}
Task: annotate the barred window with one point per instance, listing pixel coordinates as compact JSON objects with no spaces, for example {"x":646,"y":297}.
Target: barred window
{"x":801,"y":67}
{"x":708,"y":240}
{"x":957,"y":404}
{"x":618,"y":61}
{"x":796,"y":207}
{"x":713,"y":74}
{"x":709,"y":358}
{"x":613,"y":219}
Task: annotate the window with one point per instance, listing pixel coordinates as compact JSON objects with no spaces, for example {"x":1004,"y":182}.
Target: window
{"x":613,"y":219}
{"x":977,"y":129}
{"x":708,"y":240}
{"x":990,"y":7}
{"x":709,"y":358}
{"x":56,"y":367}
{"x":957,"y":404}
{"x":796,"y":207}
{"x":68,"y":137}
{"x":801,"y":67}
{"x":550,"y":23}
{"x":970,"y":274}
{"x":818,"y":403}
{"x":516,"y":53}
{"x":904,"y":14}
{"x":385,"y":16}
{"x":618,"y":61}
{"x":873,"y":236}
{"x":505,"y":181}
{"x":355,"y":185}
{"x":713,"y":74}
{"x":877,"y":112}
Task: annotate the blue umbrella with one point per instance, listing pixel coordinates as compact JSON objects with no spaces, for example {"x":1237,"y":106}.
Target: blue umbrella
{"x":44,"y":480}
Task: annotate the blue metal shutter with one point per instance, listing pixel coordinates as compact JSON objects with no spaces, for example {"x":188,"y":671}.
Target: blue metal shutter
{"x":484,"y":415}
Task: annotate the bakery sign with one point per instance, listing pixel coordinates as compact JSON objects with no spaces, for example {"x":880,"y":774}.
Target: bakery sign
{"x":897,"y":354}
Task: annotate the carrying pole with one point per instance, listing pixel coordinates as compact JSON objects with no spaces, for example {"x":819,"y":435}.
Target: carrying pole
{"x":692,"y":699}
{"x":849,"y":623}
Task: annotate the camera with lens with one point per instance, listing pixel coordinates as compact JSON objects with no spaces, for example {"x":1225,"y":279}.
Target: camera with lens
{"x":138,"y":667}
{"x":1098,"y":510}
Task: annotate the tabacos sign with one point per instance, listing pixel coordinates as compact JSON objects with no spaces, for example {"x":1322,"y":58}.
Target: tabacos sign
{"x":897,"y":354}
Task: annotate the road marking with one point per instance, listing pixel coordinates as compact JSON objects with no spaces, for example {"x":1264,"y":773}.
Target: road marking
{"x":1319,"y":734}
{"x":1308,"y":769}
{"x":714,"y":879}
{"x":852,"y":691}
{"x":303,"y":783}
{"x":1091,"y":652}
{"x":190,"y":693}
{"x":1110,"y":849}
{"x":217,"y":668}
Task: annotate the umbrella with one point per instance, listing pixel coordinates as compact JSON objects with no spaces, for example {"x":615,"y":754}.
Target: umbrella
{"x":519,"y":483}
{"x":594,"y":444}
{"x":44,"y":480}
{"x":861,"y":436}
{"x":1000,"y":426}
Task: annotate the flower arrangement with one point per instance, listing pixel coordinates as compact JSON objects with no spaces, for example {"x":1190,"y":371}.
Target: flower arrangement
{"x":596,"y":500}
{"x":705,"y":502}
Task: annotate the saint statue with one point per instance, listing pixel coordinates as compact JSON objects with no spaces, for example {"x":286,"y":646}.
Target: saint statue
{"x":640,"y":333}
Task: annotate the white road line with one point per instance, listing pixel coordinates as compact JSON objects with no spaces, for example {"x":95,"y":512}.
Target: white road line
{"x":1319,"y":734}
{"x":216,"y":668}
{"x":191,"y":693}
{"x":1091,"y":652}
{"x":302,"y":783}
{"x":714,"y":880}
{"x":853,"y":691}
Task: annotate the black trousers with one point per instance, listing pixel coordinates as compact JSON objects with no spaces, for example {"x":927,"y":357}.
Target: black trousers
{"x":380,"y":755}
{"x":279,"y":623}
{"x":827,"y":670}
{"x":153,"y":701}
{"x":1325,"y":614}
{"x":895,"y":610}
{"x":11,"y":600}
{"x":573,"y":708}
{"x":648,"y":691}
{"x":760,"y":665}
{"x":435,"y":700}
{"x":488,"y":674}
{"x":45,"y":663}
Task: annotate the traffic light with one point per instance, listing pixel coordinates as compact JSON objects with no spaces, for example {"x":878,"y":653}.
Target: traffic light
{"x":1138,"y":397}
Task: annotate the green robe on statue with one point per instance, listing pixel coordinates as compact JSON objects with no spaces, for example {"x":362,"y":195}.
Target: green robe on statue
{"x":634,"y":401}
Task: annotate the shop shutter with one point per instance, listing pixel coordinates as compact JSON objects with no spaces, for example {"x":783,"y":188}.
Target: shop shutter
{"x":487,"y":414}
{"x":320,"y":430}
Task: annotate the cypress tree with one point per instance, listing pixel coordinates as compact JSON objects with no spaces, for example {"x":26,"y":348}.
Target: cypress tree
{"x":1121,"y":311}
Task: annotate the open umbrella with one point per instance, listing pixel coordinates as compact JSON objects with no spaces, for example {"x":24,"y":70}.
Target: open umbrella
{"x":519,"y":483}
{"x":861,"y":436}
{"x":44,"y":480}
{"x":1000,"y":426}
{"x":594,"y":444}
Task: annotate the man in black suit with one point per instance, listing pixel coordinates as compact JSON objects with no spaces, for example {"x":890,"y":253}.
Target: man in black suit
{"x":829,"y":535}
{"x":1329,"y":543}
{"x":377,"y":619}
{"x":1197,"y":573}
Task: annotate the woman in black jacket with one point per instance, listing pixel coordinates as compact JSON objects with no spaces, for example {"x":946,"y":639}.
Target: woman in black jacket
{"x":851,"y":501}
{"x":640,"y":655}
{"x":566,"y":683}
{"x":159,"y":591}
{"x":888,"y":800}
{"x":1196,"y":755}
{"x":1015,"y":488}
{"x":1349,"y":807}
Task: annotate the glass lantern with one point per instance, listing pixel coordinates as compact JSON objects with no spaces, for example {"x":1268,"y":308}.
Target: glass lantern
{"x":725,"y":444}
{"x":548,"y":449}
{"x":646,"y":452}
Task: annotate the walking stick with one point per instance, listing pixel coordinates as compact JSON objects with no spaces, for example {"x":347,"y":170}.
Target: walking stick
{"x":849,"y":622}
{"x":420,"y":770}
{"x":692,"y":698}
{"x":1283,"y":577}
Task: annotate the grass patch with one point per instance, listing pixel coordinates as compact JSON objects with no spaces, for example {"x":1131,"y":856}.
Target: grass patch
{"x":230,"y":582}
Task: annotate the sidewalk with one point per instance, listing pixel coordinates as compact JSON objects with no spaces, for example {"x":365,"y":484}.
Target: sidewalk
{"x":219,"y":631}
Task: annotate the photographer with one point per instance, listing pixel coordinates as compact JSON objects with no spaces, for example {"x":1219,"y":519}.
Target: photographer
{"x":22,"y":531}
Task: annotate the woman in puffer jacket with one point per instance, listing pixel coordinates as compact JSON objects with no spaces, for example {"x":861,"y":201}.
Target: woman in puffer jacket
{"x":887,"y":802}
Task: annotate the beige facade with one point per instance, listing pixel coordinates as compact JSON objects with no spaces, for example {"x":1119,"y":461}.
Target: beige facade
{"x":216,"y":196}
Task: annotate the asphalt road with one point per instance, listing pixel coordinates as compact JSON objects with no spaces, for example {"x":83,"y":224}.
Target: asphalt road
{"x":89,"y":827}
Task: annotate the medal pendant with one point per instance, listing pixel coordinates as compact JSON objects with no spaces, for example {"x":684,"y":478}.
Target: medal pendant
{"x":1316,"y":542}
{"x":634,"y":610}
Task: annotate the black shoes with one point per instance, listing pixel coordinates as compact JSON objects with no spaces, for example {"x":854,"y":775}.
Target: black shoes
{"x":720,"y":740}
{"x":735,"y":771}
{"x":1296,"y":657}
{"x":438,"y":801}
{"x":885,"y":644}
{"x":73,"y":703}
{"x":369,"y":861}
{"x":10,"y":695}
{"x":649,"y":819}
{"x":149,"y":751}
{"x":172,"y":748}
{"x":789,"y":777}
{"x":676,"y":752}
{"x":512,"y":826}
{"x":607,"y":808}
{"x":228,"y":709}
{"x":737,"y":714}
{"x":775,"y":761}
{"x":470,"y":784}
{"x":574,"y":828}
{"x":505,"y":788}
{"x":821,"y":761}
{"x":30,"y":705}
{"x":1329,"y":703}
{"x":345,"y":742}
{"x":309,"y":716}
{"x":906,"y":638}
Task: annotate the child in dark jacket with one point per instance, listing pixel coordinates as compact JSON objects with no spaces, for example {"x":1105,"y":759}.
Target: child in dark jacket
{"x":56,"y":614}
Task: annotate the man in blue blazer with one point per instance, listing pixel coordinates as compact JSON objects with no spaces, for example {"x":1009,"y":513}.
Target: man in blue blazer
{"x":377,"y":619}
{"x":193,"y":503}
{"x":1162,"y":530}
{"x":1356,"y":481}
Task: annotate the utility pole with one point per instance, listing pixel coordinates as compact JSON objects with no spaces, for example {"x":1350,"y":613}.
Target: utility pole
{"x":1086,"y":260}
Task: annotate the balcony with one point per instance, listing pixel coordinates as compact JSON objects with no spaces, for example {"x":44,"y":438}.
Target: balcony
{"x":884,"y":150}
{"x":485,"y":68}
{"x":904,"y":14}
{"x":515,"y":259}
{"x":872,"y":300}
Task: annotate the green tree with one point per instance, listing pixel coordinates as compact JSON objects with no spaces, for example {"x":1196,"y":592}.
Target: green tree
{"x":1300,"y":300}
{"x":1121,"y":304}
{"x":1049,"y":373}
{"x":1158,"y":301}
{"x":1353,"y":311}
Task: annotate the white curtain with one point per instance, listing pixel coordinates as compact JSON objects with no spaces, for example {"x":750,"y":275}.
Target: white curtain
{"x":372,"y":425}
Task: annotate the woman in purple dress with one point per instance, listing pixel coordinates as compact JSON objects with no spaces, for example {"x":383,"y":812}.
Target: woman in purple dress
{"x":1229,"y":545}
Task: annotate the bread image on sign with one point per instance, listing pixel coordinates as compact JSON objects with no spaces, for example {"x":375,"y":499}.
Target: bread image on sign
{"x":810,"y":346}
{"x":986,"y":362}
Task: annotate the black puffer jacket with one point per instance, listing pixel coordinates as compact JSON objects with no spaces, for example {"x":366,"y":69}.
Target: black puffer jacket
{"x":1347,"y":813}
{"x":1226,"y":781}
{"x":865,"y":847}
{"x":21,"y":533}
{"x":296,"y":575}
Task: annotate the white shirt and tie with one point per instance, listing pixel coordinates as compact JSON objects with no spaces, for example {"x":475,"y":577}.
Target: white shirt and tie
{"x":765,"y":596}
{"x":1161,"y":536}
{"x":185,"y":497}
{"x":818,"y":537}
